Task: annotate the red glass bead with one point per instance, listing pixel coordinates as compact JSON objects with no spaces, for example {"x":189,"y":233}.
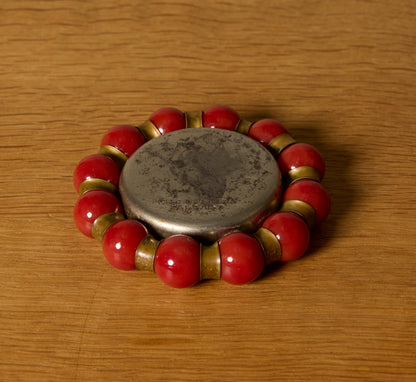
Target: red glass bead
{"x":168,"y":119}
{"x":177,"y":261}
{"x":125,"y":138}
{"x":121,"y":241}
{"x":96,"y":166}
{"x":312,"y":193}
{"x":292,"y":233}
{"x":264,"y":130}
{"x":278,"y":195}
{"x":220,"y":117}
{"x":301,"y":154}
{"x":93,"y":204}
{"x":242,"y":258}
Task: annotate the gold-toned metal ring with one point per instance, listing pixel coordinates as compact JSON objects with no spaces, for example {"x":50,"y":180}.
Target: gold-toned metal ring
{"x":210,"y":267}
{"x":279,"y":143}
{"x":243,"y":126}
{"x":145,"y":254}
{"x":103,"y":222}
{"x":193,"y":119}
{"x":270,"y":244}
{"x":149,"y":130}
{"x":96,"y":184}
{"x":301,"y":208}
{"x":302,"y":172}
{"x":115,"y":154}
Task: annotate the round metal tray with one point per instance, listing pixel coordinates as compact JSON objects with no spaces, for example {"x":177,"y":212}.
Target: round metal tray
{"x":199,"y":182}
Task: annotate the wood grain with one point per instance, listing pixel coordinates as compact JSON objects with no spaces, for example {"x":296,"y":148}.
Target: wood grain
{"x":338,"y":75}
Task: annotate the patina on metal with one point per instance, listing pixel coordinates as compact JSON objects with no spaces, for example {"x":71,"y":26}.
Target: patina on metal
{"x":199,"y":182}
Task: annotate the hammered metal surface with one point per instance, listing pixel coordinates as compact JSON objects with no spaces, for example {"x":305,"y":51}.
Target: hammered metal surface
{"x":200,"y":182}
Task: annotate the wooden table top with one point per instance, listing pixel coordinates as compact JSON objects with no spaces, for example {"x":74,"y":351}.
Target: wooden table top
{"x":339,"y":75}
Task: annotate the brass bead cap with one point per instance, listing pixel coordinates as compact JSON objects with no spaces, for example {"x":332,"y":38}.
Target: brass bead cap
{"x":272,"y":250}
{"x":96,"y":184}
{"x":302,"y":172}
{"x":279,"y":143}
{"x":103,"y":222}
{"x":193,"y":119}
{"x":149,"y":130}
{"x":145,"y":254}
{"x":243,"y":126}
{"x":301,"y":208}
{"x":115,"y":154}
{"x":210,"y":262}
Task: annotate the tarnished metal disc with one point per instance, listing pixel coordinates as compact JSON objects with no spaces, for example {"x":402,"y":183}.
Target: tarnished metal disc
{"x":199,"y":182}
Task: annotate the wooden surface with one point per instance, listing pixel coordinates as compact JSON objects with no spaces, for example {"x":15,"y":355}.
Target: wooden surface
{"x":338,"y":75}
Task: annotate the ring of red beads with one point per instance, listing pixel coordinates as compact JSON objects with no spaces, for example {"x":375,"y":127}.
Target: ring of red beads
{"x":180,"y":261}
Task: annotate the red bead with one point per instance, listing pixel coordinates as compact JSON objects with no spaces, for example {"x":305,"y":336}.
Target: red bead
{"x":177,"y":261}
{"x":301,"y":154}
{"x":312,"y":193}
{"x":125,"y":138}
{"x":292,"y":233}
{"x":168,"y":119}
{"x":264,"y":130}
{"x":93,"y":204}
{"x":220,"y":117}
{"x":278,"y":195}
{"x":121,"y":241}
{"x":242,"y":258}
{"x":96,"y":166}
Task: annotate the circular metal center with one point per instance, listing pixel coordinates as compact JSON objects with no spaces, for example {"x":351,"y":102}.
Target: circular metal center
{"x":199,"y":182}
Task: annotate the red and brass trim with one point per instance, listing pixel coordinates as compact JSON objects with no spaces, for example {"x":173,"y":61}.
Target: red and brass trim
{"x":299,"y":173}
{"x":149,"y":130}
{"x":279,"y":143}
{"x":301,"y":208}
{"x":193,"y":119}
{"x":96,"y":184}
{"x":243,"y":126}
{"x":115,"y":154}
{"x":210,"y":267}
{"x":270,"y":245}
{"x":145,"y":254}
{"x":143,"y":258}
{"x":103,"y":222}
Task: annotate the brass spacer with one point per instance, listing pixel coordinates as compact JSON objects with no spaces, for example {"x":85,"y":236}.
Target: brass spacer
{"x":145,"y":254}
{"x":210,"y":262}
{"x":270,"y":244}
{"x":193,"y":119}
{"x":243,"y":126}
{"x":149,"y":130}
{"x":302,"y":172}
{"x":96,"y":184}
{"x":279,"y":143}
{"x":301,"y":208}
{"x":115,"y":154}
{"x":103,"y":222}
{"x":249,"y":226}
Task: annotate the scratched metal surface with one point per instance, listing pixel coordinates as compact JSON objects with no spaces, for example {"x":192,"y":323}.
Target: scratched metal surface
{"x":202,"y":182}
